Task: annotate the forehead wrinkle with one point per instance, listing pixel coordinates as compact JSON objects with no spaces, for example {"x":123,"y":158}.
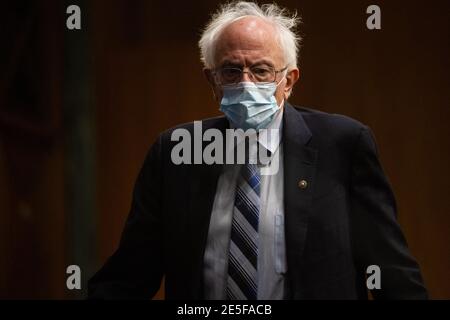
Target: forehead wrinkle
{"x":246,"y":37}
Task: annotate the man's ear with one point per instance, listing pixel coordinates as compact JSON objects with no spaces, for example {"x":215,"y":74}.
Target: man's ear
{"x":291,"y":78}
{"x":210,"y":77}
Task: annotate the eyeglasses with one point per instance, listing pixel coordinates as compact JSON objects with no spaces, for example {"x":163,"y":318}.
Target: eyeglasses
{"x":233,"y":75}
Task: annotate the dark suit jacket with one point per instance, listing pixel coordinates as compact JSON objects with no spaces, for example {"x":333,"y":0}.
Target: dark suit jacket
{"x":344,"y":221}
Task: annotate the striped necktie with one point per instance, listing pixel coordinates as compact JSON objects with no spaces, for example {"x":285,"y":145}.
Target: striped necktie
{"x":242,"y":281}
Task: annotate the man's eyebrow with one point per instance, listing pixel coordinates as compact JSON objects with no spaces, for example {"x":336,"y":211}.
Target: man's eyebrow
{"x":263,"y":61}
{"x":230,"y":63}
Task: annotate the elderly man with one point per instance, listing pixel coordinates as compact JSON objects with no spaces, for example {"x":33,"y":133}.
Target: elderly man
{"x":310,"y":230}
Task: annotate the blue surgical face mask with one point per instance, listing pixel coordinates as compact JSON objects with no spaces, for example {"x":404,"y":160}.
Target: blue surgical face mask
{"x":250,"y":105}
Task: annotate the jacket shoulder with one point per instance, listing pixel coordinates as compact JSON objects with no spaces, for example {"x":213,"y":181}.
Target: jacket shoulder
{"x":214,"y":122}
{"x":331,"y":127}
{"x":332,"y":121}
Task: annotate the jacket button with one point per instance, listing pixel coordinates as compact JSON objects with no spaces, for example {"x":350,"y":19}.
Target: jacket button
{"x":302,"y":184}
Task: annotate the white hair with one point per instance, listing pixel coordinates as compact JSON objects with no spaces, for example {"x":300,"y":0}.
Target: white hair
{"x":285,"y":26}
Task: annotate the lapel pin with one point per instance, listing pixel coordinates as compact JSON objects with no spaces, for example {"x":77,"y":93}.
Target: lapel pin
{"x":302,"y":184}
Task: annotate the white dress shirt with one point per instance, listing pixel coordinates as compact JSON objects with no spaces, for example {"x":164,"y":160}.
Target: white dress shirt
{"x":271,"y":247}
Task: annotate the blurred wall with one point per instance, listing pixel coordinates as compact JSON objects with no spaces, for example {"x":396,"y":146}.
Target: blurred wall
{"x":147,"y":77}
{"x":32,"y":216}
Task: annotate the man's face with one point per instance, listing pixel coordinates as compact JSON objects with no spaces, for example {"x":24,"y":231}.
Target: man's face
{"x":250,"y":42}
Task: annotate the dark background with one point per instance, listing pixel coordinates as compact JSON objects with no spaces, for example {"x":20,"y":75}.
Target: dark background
{"x":79,"y":109}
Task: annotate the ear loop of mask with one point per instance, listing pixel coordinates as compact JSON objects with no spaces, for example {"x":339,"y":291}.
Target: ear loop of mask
{"x":284,"y":76}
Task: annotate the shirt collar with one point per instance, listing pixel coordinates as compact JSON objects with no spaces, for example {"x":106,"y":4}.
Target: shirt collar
{"x":271,"y":139}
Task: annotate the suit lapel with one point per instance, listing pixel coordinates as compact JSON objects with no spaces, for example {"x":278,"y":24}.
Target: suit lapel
{"x":299,"y":171}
